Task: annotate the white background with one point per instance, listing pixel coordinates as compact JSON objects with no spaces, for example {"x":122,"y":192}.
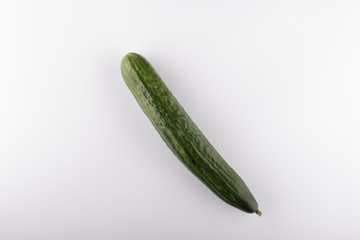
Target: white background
{"x":274,"y":85}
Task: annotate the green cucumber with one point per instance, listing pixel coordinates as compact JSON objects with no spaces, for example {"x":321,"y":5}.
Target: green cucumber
{"x":182,"y":136}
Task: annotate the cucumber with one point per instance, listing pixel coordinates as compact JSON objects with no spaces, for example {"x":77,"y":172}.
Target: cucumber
{"x":182,"y":136}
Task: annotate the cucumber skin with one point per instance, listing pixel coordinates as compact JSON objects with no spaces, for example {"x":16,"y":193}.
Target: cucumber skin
{"x":181,"y":134}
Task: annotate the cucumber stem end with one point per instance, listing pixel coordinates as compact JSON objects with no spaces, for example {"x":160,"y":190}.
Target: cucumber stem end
{"x":258,"y":212}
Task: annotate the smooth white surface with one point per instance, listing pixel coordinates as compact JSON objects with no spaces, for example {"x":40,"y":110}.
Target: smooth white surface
{"x":274,"y":85}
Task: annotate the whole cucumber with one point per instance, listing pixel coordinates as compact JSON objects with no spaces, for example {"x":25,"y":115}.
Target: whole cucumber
{"x":182,"y":136}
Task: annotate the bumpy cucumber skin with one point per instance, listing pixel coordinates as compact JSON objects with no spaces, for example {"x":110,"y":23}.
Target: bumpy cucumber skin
{"x":181,"y":134}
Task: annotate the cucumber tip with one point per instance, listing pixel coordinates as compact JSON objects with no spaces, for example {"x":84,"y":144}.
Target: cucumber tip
{"x":258,"y":212}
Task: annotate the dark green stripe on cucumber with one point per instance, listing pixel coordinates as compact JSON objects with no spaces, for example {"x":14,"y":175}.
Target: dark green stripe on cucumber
{"x":182,"y":136}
